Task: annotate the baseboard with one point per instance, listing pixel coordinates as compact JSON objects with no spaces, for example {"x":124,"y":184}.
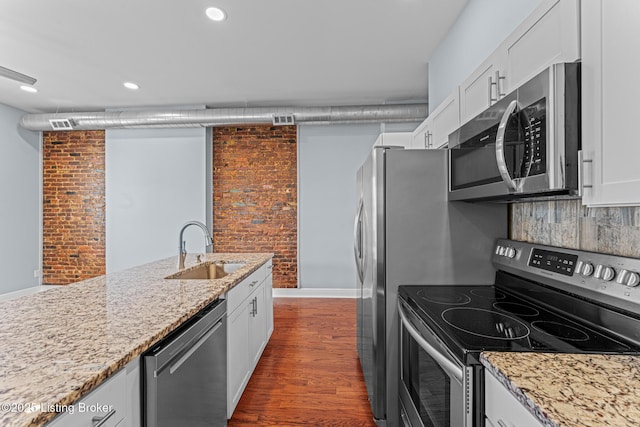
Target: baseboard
{"x":314,"y":293}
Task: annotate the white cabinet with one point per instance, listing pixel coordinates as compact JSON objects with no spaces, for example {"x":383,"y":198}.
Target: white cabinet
{"x":483,"y":87}
{"x":249,"y":327}
{"x":434,"y":131}
{"x":395,"y":139}
{"x":502,"y":409}
{"x":549,"y":35}
{"x":610,"y":38}
{"x":115,"y":402}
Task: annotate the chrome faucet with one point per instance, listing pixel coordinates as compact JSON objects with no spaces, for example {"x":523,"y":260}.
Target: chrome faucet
{"x":182,"y":254}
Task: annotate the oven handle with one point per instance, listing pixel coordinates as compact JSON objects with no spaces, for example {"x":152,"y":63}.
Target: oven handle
{"x":451,"y":368}
{"x":500,"y":155}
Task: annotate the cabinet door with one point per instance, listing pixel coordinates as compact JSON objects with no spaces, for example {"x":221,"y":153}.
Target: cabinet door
{"x":268,"y":301}
{"x":238,"y":360}
{"x":396,"y":139}
{"x":551,"y":34}
{"x":420,"y":136}
{"x":257,"y":325}
{"x":503,"y":409}
{"x":446,"y":119}
{"x":483,"y":88}
{"x":609,"y":102}
{"x":106,"y":404}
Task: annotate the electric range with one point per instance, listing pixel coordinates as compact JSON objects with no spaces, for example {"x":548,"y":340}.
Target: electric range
{"x":543,"y":299}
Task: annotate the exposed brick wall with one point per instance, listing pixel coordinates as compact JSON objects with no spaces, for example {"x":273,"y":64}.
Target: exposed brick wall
{"x":73,"y":206}
{"x":255,"y":195}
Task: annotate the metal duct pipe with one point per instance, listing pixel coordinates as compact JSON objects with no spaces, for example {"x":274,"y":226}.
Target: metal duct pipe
{"x":395,"y":113}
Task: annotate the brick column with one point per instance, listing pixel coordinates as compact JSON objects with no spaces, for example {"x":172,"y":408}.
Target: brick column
{"x":255,"y":195}
{"x":73,"y":206}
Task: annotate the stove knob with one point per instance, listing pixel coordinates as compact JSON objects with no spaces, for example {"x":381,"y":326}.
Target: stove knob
{"x":604,"y":272}
{"x":587,"y":269}
{"x":510,"y":253}
{"x":628,"y":278}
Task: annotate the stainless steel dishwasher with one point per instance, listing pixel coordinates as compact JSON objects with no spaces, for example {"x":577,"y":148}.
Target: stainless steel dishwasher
{"x":185,"y":375}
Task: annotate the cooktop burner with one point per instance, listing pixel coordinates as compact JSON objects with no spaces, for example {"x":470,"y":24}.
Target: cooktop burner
{"x":499,"y":326}
{"x":516,"y":308}
{"x":444,"y":296}
{"x":488,"y":293}
{"x":556,"y":329}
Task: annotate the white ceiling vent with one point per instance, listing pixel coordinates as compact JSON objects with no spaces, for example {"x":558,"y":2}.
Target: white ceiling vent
{"x":283,"y":119}
{"x":62,"y":124}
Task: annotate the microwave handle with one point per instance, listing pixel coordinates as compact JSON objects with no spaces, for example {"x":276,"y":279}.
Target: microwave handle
{"x":500,"y":157}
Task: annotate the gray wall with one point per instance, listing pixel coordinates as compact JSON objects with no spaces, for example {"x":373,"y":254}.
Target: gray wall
{"x":156,"y":180}
{"x":20,"y":218}
{"x":328,"y":159}
{"x":480,"y":28}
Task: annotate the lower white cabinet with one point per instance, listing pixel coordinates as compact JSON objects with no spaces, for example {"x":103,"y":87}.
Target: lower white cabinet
{"x":502,"y":409}
{"x":115,"y":402}
{"x":249,"y":327}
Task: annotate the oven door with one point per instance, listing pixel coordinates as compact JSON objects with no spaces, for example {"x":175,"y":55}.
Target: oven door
{"x":435,"y":389}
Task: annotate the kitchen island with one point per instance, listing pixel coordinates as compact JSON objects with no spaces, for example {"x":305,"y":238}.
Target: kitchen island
{"x":57,"y":346}
{"x":571,"y":390}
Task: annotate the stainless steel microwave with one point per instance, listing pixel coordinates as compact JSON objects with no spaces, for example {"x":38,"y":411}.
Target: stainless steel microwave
{"x":525,"y":145}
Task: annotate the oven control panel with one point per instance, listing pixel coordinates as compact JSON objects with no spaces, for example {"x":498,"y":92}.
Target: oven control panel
{"x":605,"y":277}
{"x":558,"y":262}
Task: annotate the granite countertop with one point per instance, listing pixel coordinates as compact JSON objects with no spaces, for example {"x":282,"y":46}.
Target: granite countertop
{"x":585,"y":390}
{"x":58,"y":345}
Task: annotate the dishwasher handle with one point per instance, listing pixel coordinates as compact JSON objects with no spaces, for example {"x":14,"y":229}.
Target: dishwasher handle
{"x":175,"y":366}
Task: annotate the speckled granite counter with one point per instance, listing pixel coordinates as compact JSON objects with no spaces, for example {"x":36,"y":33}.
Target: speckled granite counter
{"x":572,"y":390}
{"x":58,"y":345}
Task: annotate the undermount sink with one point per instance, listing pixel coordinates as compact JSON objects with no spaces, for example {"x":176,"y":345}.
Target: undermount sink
{"x":207,"y":270}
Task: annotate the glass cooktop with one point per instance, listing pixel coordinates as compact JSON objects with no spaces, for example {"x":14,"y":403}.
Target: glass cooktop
{"x":471,"y":319}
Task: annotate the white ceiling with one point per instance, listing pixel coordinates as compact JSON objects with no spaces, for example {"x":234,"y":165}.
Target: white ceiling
{"x":267,"y":53}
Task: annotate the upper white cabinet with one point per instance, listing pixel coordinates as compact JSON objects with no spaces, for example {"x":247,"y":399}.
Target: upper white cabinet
{"x":434,"y":131}
{"x":610,"y":66}
{"x":482,"y":88}
{"x":396,"y":139}
{"x":551,"y":34}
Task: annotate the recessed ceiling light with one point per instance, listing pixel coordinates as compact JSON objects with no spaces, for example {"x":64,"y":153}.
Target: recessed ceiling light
{"x":29,"y":89}
{"x":131,"y":85}
{"x":216,"y":14}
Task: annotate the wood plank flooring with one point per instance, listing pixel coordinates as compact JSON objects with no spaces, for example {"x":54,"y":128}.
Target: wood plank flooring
{"x":309,"y":374}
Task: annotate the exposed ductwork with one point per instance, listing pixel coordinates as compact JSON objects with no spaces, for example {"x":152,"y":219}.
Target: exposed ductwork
{"x":394,"y":113}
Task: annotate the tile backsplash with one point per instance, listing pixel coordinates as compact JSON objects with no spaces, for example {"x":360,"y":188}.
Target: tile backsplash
{"x":568,"y":224}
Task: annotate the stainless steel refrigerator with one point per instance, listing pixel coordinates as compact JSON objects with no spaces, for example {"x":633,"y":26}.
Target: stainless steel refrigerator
{"x":407,"y":232}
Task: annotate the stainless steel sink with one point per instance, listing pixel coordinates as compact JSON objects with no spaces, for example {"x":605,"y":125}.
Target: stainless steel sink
{"x":207,"y":270}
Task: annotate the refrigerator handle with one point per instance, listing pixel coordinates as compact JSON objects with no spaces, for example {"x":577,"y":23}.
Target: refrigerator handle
{"x":357,"y":239}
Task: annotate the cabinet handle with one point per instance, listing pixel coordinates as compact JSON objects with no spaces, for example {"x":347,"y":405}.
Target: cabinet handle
{"x":99,"y":421}
{"x":502,"y":423}
{"x":586,"y":172}
{"x":254,"y":307}
{"x":252,"y":284}
{"x":499,"y":94}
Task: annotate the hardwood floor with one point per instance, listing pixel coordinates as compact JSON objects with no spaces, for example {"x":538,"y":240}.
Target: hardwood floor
{"x":309,"y":374}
